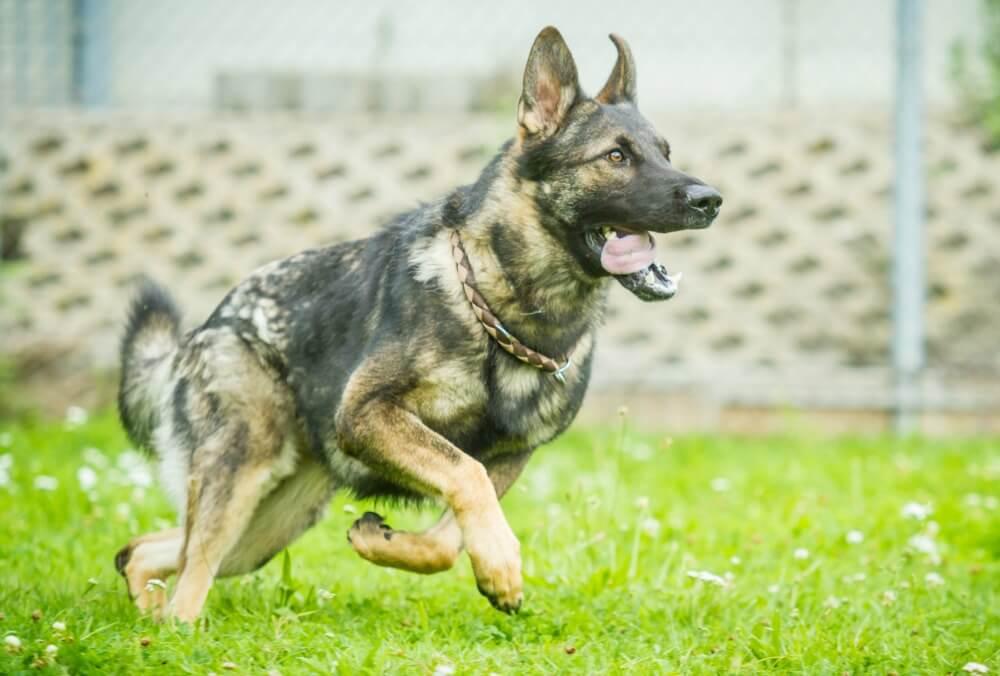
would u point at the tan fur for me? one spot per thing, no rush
(435, 549)
(427, 462)
(216, 528)
(314, 374)
(153, 559)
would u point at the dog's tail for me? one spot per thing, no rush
(152, 334)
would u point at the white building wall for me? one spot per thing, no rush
(718, 53)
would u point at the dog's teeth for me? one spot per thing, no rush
(606, 231)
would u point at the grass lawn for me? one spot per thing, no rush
(817, 556)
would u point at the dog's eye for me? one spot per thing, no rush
(617, 156)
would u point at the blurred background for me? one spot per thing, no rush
(193, 141)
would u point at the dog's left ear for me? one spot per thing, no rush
(620, 87)
(551, 85)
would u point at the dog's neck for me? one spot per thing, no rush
(531, 281)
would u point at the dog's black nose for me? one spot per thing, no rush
(705, 199)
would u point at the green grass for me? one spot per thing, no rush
(607, 588)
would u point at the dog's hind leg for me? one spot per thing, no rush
(232, 474)
(435, 549)
(294, 506)
(146, 562)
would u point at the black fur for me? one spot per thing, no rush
(368, 357)
(152, 308)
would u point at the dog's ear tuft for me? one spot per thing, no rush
(620, 87)
(551, 85)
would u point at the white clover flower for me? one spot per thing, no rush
(976, 668)
(888, 597)
(46, 483)
(973, 500)
(323, 595)
(650, 527)
(123, 510)
(87, 478)
(735, 560)
(94, 456)
(76, 416)
(720, 484)
(59, 626)
(350, 509)
(854, 537)
(444, 670)
(916, 510)
(933, 579)
(640, 451)
(12, 642)
(801, 554)
(642, 502)
(991, 502)
(136, 470)
(6, 460)
(51, 650)
(706, 576)
(857, 577)
(925, 544)
(773, 589)
(833, 602)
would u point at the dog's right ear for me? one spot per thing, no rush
(550, 85)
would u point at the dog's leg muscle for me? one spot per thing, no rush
(236, 471)
(396, 443)
(435, 549)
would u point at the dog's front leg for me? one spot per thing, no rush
(396, 443)
(435, 549)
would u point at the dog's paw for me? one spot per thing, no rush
(370, 527)
(504, 602)
(122, 558)
(496, 561)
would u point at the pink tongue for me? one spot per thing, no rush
(628, 254)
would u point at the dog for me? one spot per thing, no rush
(426, 362)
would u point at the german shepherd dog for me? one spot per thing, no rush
(425, 362)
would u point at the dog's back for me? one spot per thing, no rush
(428, 361)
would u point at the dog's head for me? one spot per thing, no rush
(604, 176)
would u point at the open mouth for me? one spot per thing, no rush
(630, 257)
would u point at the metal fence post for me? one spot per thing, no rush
(908, 240)
(91, 52)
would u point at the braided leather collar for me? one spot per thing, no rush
(493, 326)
